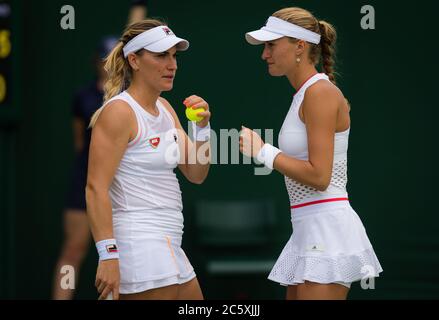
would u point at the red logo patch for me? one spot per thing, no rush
(154, 142)
(111, 248)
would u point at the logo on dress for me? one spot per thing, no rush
(316, 247)
(154, 142)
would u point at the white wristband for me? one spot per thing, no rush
(267, 154)
(107, 249)
(200, 134)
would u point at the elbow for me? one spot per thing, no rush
(92, 193)
(90, 190)
(322, 184)
(197, 180)
(196, 176)
(322, 187)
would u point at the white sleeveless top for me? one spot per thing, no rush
(145, 192)
(294, 142)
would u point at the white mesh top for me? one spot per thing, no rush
(293, 141)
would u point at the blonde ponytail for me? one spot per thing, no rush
(116, 67)
(327, 42)
(326, 49)
(119, 72)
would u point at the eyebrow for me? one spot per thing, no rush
(167, 52)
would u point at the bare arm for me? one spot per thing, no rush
(192, 168)
(109, 141)
(320, 109)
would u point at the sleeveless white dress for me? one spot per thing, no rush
(147, 205)
(329, 243)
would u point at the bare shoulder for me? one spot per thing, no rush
(322, 102)
(323, 97)
(116, 117)
(324, 90)
(167, 106)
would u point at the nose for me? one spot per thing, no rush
(172, 64)
(265, 53)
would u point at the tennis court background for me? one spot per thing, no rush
(388, 74)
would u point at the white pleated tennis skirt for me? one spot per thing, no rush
(329, 244)
(149, 260)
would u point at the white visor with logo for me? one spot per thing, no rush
(276, 28)
(158, 39)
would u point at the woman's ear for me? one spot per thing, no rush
(132, 60)
(300, 47)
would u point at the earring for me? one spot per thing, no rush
(298, 60)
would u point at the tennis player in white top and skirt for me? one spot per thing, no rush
(329, 248)
(133, 196)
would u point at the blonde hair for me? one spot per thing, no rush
(119, 72)
(326, 49)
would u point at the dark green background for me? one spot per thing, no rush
(388, 74)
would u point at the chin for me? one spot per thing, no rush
(167, 87)
(274, 73)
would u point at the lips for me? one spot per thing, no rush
(170, 77)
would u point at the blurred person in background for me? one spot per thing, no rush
(85, 102)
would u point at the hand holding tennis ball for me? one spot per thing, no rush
(197, 109)
(192, 114)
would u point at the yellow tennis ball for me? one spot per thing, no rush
(191, 114)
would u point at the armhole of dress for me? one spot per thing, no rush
(162, 106)
(297, 112)
(139, 126)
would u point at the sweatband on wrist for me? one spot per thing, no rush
(267, 154)
(200, 134)
(107, 249)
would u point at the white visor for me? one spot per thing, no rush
(158, 39)
(276, 28)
